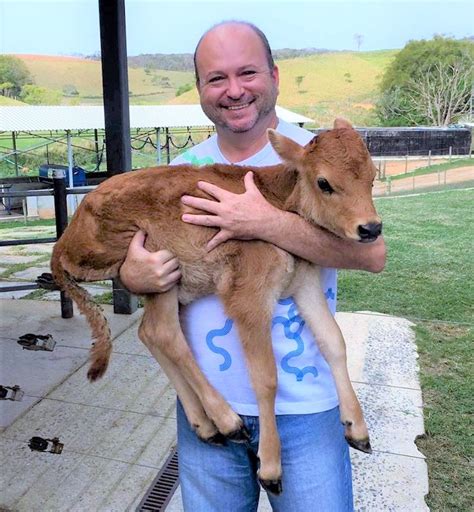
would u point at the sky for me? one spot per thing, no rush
(67, 27)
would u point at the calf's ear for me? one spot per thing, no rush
(342, 123)
(288, 150)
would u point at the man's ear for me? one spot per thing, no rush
(288, 150)
(342, 123)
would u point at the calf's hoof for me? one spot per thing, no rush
(272, 486)
(216, 440)
(359, 439)
(240, 435)
(362, 445)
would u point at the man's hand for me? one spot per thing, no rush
(242, 216)
(148, 272)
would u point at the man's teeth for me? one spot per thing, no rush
(238, 107)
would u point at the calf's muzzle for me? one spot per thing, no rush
(369, 232)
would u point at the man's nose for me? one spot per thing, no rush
(234, 88)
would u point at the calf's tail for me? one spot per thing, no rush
(102, 346)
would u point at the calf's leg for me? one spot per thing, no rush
(308, 294)
(249, 295)
(207, 411)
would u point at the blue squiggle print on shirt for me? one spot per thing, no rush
(219, 350)
(293, 326)
(329, 294)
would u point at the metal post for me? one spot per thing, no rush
(96, 142)
(406, 163)
(116, 111)
(70, 163)
(450, 153)
(167, 144)
(158, 146)
(15, 154)
(429, 158)
(60, 209)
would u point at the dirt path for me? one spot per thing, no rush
(457, 175)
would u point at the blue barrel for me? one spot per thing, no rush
(78, 174)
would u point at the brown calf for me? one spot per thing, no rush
(328, 182)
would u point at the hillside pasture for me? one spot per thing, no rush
(53, 72)
(332, 84)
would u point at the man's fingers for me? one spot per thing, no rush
(213, 190)
(138, 240)
(222, 236)
(248, 181)
(201, 220)
(165, 256)
(170, 265)
(171, 280)
(199, 203)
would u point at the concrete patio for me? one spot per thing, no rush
(118, 432)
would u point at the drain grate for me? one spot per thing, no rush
(163, 487)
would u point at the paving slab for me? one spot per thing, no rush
(13, 259)
(31, 273)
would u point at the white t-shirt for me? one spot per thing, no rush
(305, 383)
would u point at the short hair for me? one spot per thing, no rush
(255, 30)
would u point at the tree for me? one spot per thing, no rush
(429, 82)
(299, 80)
(35, 95)
(14, 73)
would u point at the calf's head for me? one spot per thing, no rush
(335, 177)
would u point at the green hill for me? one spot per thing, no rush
(321, 86)
(10, 102)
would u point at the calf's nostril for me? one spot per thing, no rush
(371, 230)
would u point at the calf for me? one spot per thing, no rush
(328, 182)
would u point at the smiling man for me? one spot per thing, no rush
(238, 83)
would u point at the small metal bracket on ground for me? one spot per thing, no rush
(38, 444)
(13, 393)
(32, 341)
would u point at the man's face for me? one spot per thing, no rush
(236, 87)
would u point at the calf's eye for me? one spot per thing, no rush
(323, 184)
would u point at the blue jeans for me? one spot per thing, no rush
(315, 461)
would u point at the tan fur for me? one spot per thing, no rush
(95, 245)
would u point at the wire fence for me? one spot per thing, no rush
(152, 147)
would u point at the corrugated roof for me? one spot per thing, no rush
(39, 118)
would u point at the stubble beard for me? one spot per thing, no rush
(263, 110)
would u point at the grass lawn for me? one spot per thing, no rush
(428, 279)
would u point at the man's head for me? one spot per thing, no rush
(236, 77)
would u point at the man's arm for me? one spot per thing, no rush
(249, 216)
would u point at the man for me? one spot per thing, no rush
(237, 83)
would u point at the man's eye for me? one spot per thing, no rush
(249, 73)
(323, 184)
(215, 79)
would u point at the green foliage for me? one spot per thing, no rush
(184, 88)
(35, 95)
(13, 75)
(299, 80)
(428, 82)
